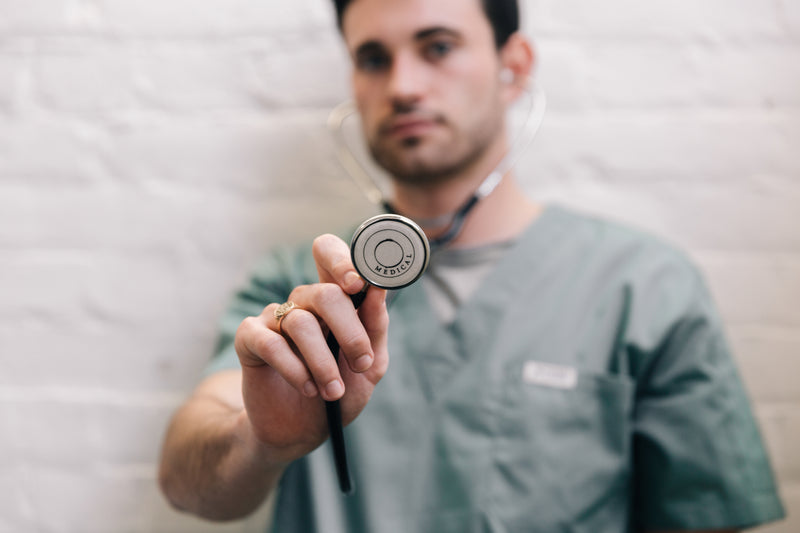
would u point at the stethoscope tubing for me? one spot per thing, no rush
(371, 190)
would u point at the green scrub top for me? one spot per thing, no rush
(585, 386)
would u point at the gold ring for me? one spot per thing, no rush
(283, 310)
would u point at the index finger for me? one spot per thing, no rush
(332, 257)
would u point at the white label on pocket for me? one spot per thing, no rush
(550, 375)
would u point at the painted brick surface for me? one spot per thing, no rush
(150, 152)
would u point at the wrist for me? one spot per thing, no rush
(258, 454)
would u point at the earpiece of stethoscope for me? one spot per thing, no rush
(390, 252)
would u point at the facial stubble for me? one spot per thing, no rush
(410, 161)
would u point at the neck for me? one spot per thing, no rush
(502, 215)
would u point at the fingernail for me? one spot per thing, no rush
(309, 389)
(362, 363)
(334, 389)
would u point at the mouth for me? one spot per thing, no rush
(404, 127)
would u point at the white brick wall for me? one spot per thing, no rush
(148, 149)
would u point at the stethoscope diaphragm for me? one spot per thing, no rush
(390, 251)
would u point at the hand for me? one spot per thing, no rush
(287, 368)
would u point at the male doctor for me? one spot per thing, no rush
(551, 372)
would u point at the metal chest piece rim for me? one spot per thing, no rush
(390, 251)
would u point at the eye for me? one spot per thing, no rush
(438, 49)
(372, 61)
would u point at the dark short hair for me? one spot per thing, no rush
(503, 16)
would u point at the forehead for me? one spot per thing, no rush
(390, 20)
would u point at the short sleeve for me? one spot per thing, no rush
(699, 461)
(272, 281)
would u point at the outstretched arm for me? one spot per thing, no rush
(212, 465)
(229, 444)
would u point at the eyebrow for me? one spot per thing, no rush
(369, 46)
(436, 30)
(373, 45)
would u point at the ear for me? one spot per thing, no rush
(517, 59)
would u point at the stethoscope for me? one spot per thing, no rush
(537, 104)
(391, 251)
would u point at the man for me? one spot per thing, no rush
(551, 372)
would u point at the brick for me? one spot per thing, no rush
(741, 202)
(789, 12)
(21, 17)
(74, 152)
(99, 287)
(102, 498)
(126, 218)
(768, 360)
(95, 218)
(710, 20)
(148, 290)
(16, 507)
(750, 75)
(755, 289)
(239, 231)
(708, 146)
(780, 424)
(37, 285)
(649, 75)
(216, 224)
(115, 358)
(658, 74)
(79, 217)
(84, 75)
(561, 72)
(92, 427)
(13, 78)
(192, 76)
(266, 156)
(758, 214)
(206, 18)
(135, 290)
(97, 500)
(312, 70)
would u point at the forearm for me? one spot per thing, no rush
(211, 463)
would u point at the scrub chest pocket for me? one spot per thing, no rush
(565, 446)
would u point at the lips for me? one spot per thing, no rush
(408, 126)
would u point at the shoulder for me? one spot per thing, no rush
(287, 266)
(292, 265)
(621, 251)
(603, 235)
(662, 289)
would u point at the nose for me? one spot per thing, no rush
(407, 80)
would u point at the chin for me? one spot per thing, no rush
(420, 174)
(412, 160)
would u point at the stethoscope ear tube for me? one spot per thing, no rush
(361, 177)
(345, 155)
(365, 182)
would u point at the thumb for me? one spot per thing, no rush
(375, 317)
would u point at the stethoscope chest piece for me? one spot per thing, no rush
(390, 251)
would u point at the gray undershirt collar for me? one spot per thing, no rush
(453, 275)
